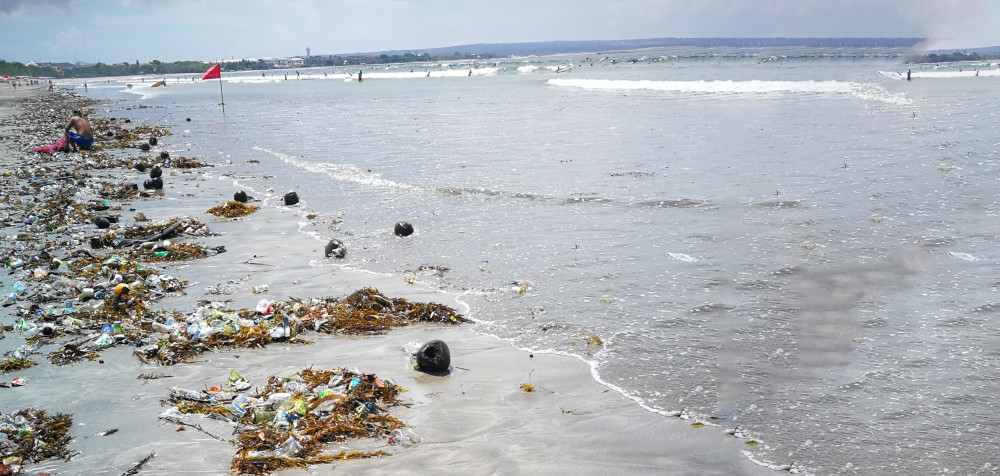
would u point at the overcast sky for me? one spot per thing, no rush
(112, 31)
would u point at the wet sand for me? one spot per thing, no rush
(477, 420)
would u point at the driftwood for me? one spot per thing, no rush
(167, 232)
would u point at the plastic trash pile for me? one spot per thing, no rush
(290, 421)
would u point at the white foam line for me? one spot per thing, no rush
(718, 87)
(866, 91)
(681, 414)
(341, 172)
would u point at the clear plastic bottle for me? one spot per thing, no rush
(403, 437)
(31, 330)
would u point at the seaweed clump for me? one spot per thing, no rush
(289, 422)
(365, 312)
(34, 436)
(15, 364)
(233, 210)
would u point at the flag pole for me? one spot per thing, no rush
(221, 96)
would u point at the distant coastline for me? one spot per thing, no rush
(481, 51)
(542, 48)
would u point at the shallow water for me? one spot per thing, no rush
(761, 236)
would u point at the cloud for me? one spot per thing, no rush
(944, 20)
(67, 40)
(16, 7)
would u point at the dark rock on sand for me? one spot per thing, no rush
(404, 229)
(335, 249)
(154, 183)
(434, 357)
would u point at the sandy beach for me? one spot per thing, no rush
(477, 420)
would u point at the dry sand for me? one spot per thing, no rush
(477, 420)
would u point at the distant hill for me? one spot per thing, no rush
(599, 46)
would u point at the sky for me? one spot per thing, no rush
(113, 31)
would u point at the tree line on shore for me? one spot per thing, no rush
(953, 57)
(197, 67)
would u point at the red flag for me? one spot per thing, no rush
(212, 73)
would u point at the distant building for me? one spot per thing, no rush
(66, 66)
(307, 51)
(290, 62)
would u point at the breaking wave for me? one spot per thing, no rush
(865, 91)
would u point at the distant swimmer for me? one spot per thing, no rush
(359, 75)
(907, 75)
(470, 72)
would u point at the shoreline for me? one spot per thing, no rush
(475, 420)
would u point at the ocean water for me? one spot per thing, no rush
(797, 242)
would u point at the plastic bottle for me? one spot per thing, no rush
(288, 448)
(403, 437)
(22, 351)
(278, 400)
(30, 331)
(104, 340)
(262, 288)
(241, 404)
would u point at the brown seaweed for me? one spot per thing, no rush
(233, 209)
(40, 438)
(324, 407)
(13, 365)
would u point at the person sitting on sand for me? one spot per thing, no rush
(84, 136)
